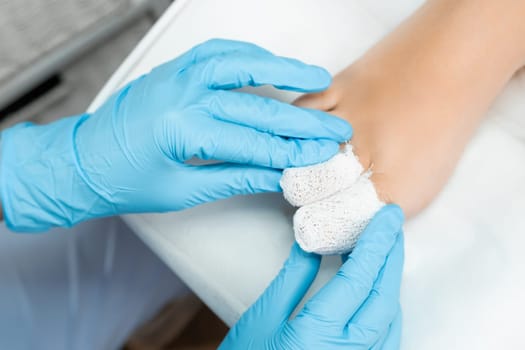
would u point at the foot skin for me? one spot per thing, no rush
(416, 97)
(409, 148)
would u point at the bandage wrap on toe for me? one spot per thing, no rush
(302, 186)
(336, 200)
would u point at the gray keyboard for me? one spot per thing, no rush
(31, 28)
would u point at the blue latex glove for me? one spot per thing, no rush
(129, 156)
(357, 309)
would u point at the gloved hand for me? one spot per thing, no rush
(357, 309)
(129, 156)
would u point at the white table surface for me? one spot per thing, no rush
(465, 268)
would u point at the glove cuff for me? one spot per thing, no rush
(41, 185)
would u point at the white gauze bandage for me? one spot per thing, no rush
(336, 200)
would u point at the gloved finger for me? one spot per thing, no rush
(276, 118)
(340, 298)
(232, 71)
(382, 303)
(391, 340)
(219, 181)
(208, 49)
(289, 287)
(238, 144)
(280, 298)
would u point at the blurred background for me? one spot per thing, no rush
(55, 55)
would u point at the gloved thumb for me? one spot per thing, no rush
(285, 292)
